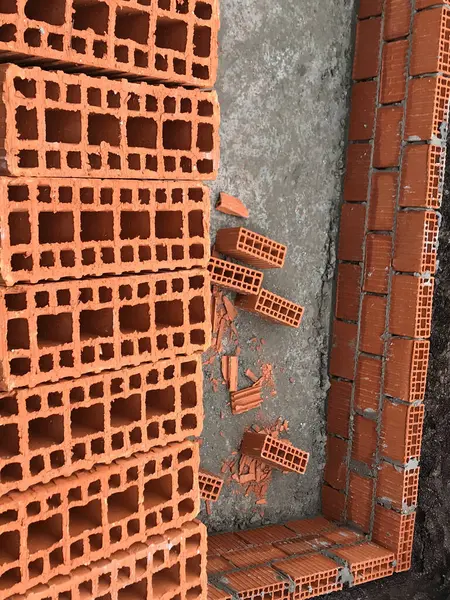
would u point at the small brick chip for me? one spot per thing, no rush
(250, 247)
(272, 307)
(277, 453)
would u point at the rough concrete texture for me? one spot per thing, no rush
(283, 86)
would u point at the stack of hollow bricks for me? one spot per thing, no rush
(380, 345)
(104, 302)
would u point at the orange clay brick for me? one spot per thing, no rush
(382, 201)
(364, 440)
(422, 176)
(333, 503)
(222, 543)
(343, 536)
(247, 399)
(401, 432)
(250, 247)
(420, 4)
(230, 366)
(309, 527)
(397, 486)
(56, 124)
(272, 307)
(362, 113)
(396, 532)
(265, 535)
(351, 232)
(144, 570)
(377, 263)
(406, 369)
(348, 291)
(217, 564)
(174, 42)
(411, 306)
(56, 228)
(394, 72)
(294, 547)
(230, 205)
(234, 277)
(388, 137)
(343, 348)
(277, 453)
(336, 462)
(255, 582)
(338, 409)
(58, 429)
(356, 178)
(373, 324)
(312, 575)
(366, 61)
(431, 42)
(367, 383)
(427, 108)
(367, 562)
(210, 485)
(360, 501)
(255, 556)
(416, 239)
(370, 8)
(60, 526)
(214, 593)
(397, 17)
(70, 328)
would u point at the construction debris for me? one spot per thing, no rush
(229, 205)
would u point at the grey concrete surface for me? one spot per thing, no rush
(283, 87)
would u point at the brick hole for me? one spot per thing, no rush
(86, 295)
(104, 582)
(141, 59)
(47, 259)
(143, 291)
(205, 166)
(160, 402)
(186, 507)
(32, 37)
(167, 514)
(169, 427)
(152, 377)
(178, 340)
(28, 159)
(78, 44)
(18, 334)
(85, 421)
(8, 406)
(45, 432)
(27, 87)
(123, 504)
(188, 395)
(95, 543)
(141, 132)
(57, 459)
(157, 491)
(11, 472)
(200, 71)
(134, 591)
(169, 224)
(103, 128)
(56, 558)
(193, 568)
(185, 480)
(171, 34)
(196, 226)
(9, 516)
(94, 97)
(19, 228)
(8, 6)
(165, 579)
(104, 294)
(8, 33)
(114, 481)
(134, 318)
(63, 297)
(133, 25)
(170, 105)
(73, 94)
(52, 91)
(125, 411)
(164, 4)
(133, 102)
(202, 41)
(56, 227)
(85, 518)
(177, 135)
(161, 63)
(26, 123)
(132, 474)
(179, 66)
(134, 225)
(74, 160)
(121, 54)
(166, 463)
(149, 468)
(54, 329)
(44, 534)
(98, 446)
(99, 48)
(63, 126)
(76, 550)
(96, 323)
(169, 373)
(197, 337)
(203, 11)
(93, 15)
(35, 568)
(46, 363)
(169, 313)
(205, 137)
(52, 13)
(196, 310)
(55, 41)
(9, 440)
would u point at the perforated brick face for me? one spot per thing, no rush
(57, 228)
(67, 329)
(168, 40)
(60, 125)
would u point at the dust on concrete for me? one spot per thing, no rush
(283, 87)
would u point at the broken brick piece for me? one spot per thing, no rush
(230, 371)
(247, 399)
(367, 561)
(406, 369)
(416, 239)
(411, 306)
(251, 247)
(313, 575)
(210, 485)
(396, 532)
(401, 432)
(272, 307)
(262, 581)
(422, 182)
(275, 452)
(234, 277)
(230, 205)
(398, 487)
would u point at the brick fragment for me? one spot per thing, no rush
(255, 556)
(411, 306)
(362, 113)
(360, 501)
(422, 176)
(396, 532)
(366, 61)
(394, 72)
(56, 124)
(368, 383)
(431, 42)
(210, 485)
(265, 535)
(338, 409)
(234, 277)
(370, 8)
(254, 582)
(310, 527)
(250, 247)
(247, 399)
(348, 291)
(230, 366)
(343, 348)
(367, 562)
(373, 324)
(312, 575)
(382, 201)
(401, 432)
(397, 486)
(427, 108)
(388, 137)
(333, 503)
(356, 178)
(397, 17)
(406, 369)
(416, 240)
(351, 232)
(364, 440)
(377, 263)
(336, 462)
(277, 453)
(272, 307)
(58, 527)
(230, 205)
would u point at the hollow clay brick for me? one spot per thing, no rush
(234, 277)
(427, 108)
(401, 432)
(416, 240)
(373, 324)
(406, 369)
(338, 408)
(382, 201)
(348, 291)
(394, 72)
(174, 42)
(367, 383)
(217, 564)
(370, 8)
(398, 487)
(333, 503)
(230, 205)
(377, 263)
(395, 532)
(343, 536)
(356, 178)
(397, 17)
(336, 462)
(309, 527)
(272, 307)
(250, 247)
(364, 440)
(55, 528)
(360, 501)
(313, 575)
(210, 485)
(173, 562)
(366, 61)
(277, 453)
(56, 228)
(60, 125)
(222, 543)
(388, 137)
(295, 547)
(351, 236)
(430, 42)
(422, 176)
(420, 4)
(362, 113)
(265, 535)
(261, 581)
(367, 562)
(411, 306)
(343, 348)
(55, 430)
(255, 556)
(214, 593)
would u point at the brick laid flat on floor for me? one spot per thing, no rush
(60, 125)
(55, 228)
(70, 328)
(169, 40)
(57, 429)
(54, 528)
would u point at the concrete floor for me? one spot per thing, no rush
(283, 87)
